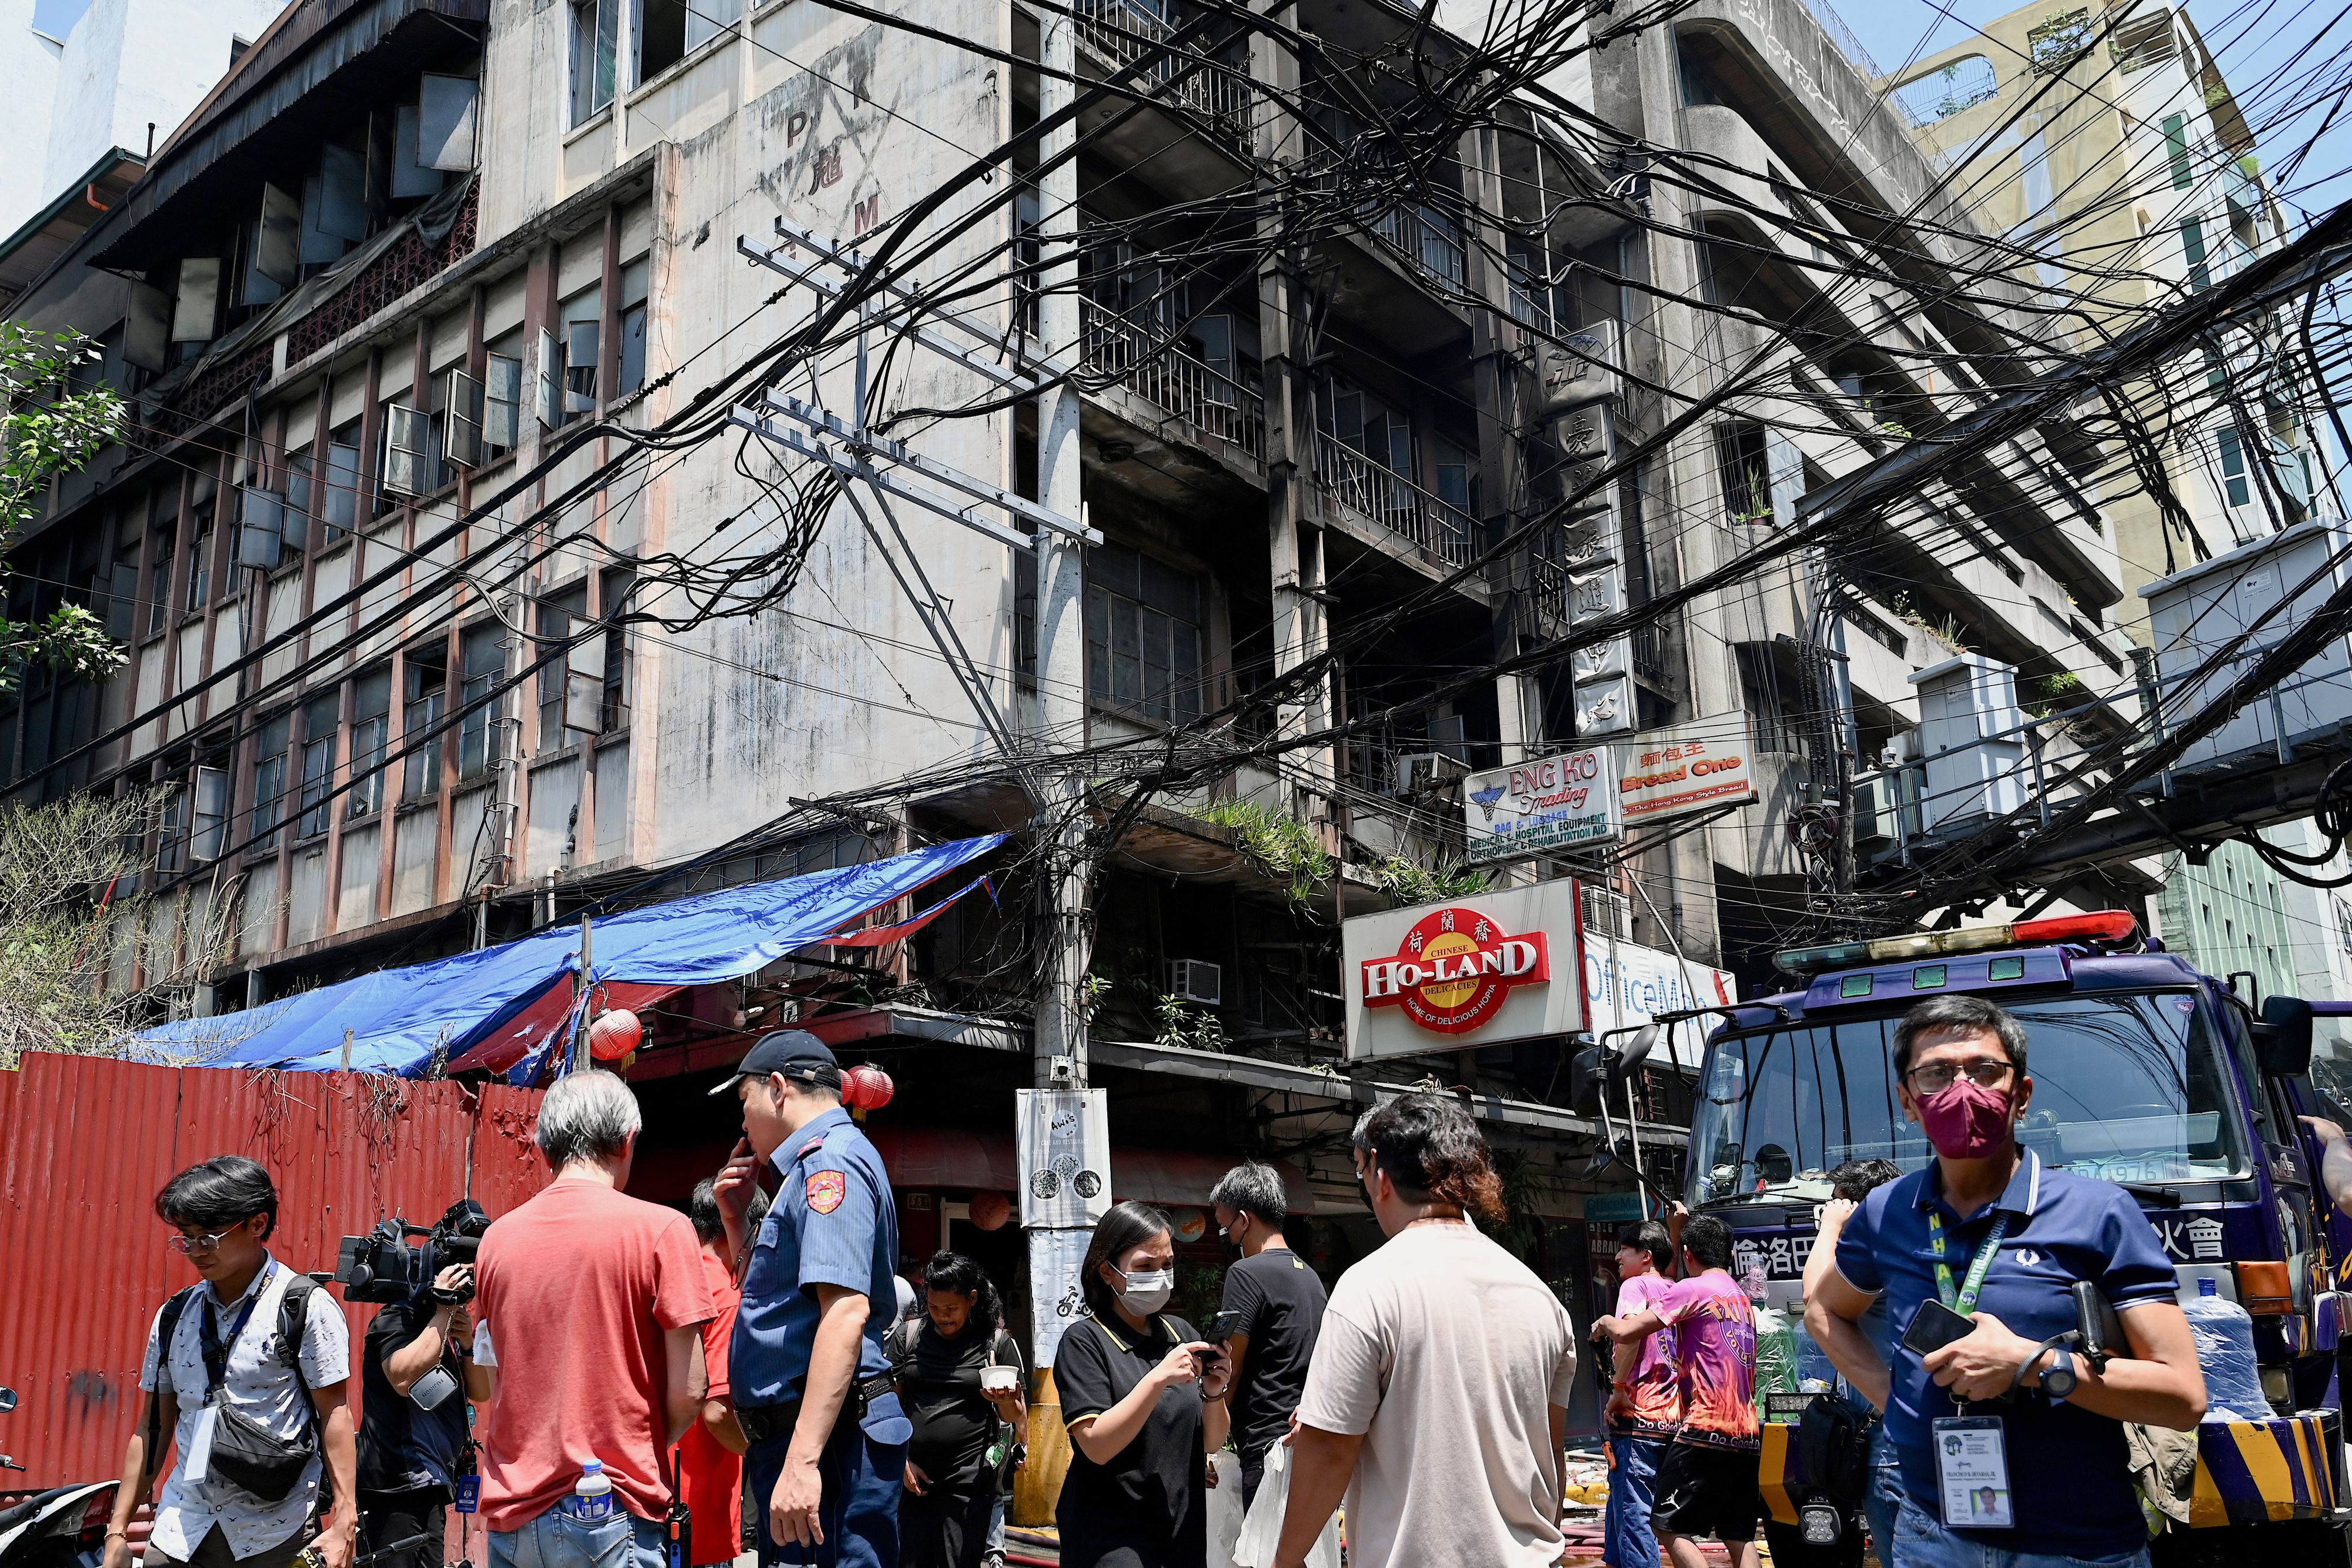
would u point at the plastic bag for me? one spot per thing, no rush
(1225, 1507)
(1262, 1530)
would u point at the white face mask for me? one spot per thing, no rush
(1147, 1290)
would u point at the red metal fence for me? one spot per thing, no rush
(85, 1143)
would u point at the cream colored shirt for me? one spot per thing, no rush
(1447, 1354)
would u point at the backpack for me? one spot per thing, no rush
(293, 1321)
(1834, 1439)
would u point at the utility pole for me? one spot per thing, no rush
(1058, 820)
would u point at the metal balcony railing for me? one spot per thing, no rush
(1168, 378)
(1430, 239)
(1393, 502)
(1123, 32)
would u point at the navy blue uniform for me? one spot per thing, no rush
(832, 1224)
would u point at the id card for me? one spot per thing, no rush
(469, 1492)
(200, 1446)
(1972, 1473)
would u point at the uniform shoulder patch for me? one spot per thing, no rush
(825, 1190)
(810, 1148)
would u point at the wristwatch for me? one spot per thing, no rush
(2058, 1379)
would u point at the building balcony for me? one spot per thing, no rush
(1212, 402)
(1393, 503)
(1121, 33)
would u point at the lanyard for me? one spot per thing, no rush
(216, 1357)
(1964, 1300)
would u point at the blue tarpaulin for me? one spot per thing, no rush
(403, 1020)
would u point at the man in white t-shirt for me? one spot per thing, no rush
(1437, 1397)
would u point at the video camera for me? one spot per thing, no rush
(383, 1267)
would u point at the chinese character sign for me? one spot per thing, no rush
(1692, 768)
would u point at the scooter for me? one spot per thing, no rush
(64, 1527)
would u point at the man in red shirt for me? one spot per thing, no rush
(710, 1455)
(591, 1306)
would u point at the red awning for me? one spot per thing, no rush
(523, 1032)
(950, 1156)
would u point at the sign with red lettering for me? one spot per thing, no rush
(1452, 968)
(1695, 767)
(1482, 970)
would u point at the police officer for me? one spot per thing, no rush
(810, 1384)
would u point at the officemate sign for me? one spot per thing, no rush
(1481, 971)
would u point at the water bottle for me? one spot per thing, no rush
(593, 1497)
(2225, 1336)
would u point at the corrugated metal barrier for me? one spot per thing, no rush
(85, 1145)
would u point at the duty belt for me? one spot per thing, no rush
(761, 1422)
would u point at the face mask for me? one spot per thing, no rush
(1147, 1290)
(1964, 1120)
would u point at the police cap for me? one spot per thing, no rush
(794, 1052)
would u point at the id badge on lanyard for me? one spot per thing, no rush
(1972, 1473)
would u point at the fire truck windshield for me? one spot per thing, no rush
(2128, 1086)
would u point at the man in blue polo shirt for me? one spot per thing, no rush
(2040, 1478)
(812, 1386)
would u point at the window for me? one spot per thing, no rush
(200, 556)
(583, 319)
(2236, 488)
(634, 279)
(457, 422)
(341, 505)
(1143, 636)
(425, 690)
(502, 399)
(121, 593)
(1947, 91)
(614, 712)
(269, 778)
(319, 716)
(370, 730)
(1773, 708)
(208, 804)
(483, 664)
(158, 572)
(2058, 42)
(409, 465)
(669, 30)
(595, 40)
(2192, 252)
(2175, 150)
(298, 492)
(556, 616)
(171, 830)
(1745, 470)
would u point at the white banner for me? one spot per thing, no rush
(1054, 1259)
(1626, 983)
(1695, 767)
(1485, 969)
(1065, 1143)
(1563, 802)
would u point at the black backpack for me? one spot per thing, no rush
(1834, 1439)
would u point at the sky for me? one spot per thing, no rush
(2272, 52)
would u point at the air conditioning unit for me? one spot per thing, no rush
(1581, 369)
(1419, 771)
(1194, 980)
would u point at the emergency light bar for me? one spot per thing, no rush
(2108, 927)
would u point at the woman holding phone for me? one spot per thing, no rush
(1144, 1398)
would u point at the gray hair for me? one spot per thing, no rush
(1255, 1190)
(1958, 1012)
(588, 1115)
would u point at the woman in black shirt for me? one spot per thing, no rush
(1144, 1400)
(943, 1357)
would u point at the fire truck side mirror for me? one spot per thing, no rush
(2282, 1038)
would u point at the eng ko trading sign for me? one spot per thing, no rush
(1562, 802)
(1475, 971)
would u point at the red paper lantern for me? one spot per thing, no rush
(615, 1034)
(867, 1088)
(990, 1210)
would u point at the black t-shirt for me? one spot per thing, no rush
(403, 1447)
(1280, 1300)
(955, 1422)
(1152, 1496)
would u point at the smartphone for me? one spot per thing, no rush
(1220, 1327)
(1934, 1326)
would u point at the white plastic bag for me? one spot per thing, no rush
(1262, 1530)
(1225, 1507)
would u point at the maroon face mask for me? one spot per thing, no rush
(1964, 1120)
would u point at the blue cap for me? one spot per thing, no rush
(794, 1052)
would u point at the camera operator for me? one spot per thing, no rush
(412, 1418)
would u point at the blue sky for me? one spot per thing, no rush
(2276, 55)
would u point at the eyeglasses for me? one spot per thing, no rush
(183, 1242)
(1984, 1072)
